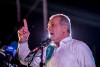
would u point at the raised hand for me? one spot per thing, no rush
(23, 33)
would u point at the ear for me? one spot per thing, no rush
(64, 28)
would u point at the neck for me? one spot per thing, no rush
(63, 37)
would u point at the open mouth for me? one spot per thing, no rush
(51, 33)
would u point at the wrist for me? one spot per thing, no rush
(20, 42)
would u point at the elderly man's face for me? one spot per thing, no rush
(55, 29)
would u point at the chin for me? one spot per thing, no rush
(52, 39)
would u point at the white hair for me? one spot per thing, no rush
(68, 23)
(60, 15)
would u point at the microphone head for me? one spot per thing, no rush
(14, 44)
(46, 42)
(12, 49)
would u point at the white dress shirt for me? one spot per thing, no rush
(70, 53)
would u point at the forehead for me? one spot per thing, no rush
(54, 20)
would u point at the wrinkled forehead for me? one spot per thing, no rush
(54, 20)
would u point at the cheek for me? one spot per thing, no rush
(58, 32)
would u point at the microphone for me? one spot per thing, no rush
(45, 43)
(12, 49)
(42, 44)
(8, 50)
(2, 53)
(34, 51)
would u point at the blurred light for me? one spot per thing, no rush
(53, 44)
(48, 35)
(93, 59)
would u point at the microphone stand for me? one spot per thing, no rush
(41, 63)
(43, 44)
(31, 59)
(8, 57)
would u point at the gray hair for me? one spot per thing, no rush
(64, 21)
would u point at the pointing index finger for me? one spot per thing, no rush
(25, 24)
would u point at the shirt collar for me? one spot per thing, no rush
(62, 41)
(61, 44)
(65, 40)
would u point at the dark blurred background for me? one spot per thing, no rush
(84, 15)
